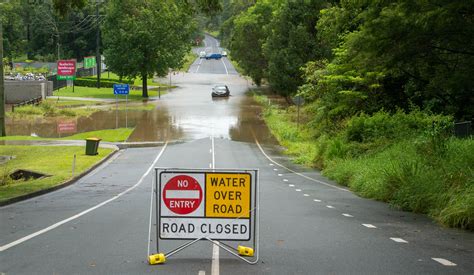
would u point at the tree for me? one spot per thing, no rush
(249, 34)
(14, 39)
(291, 43)
(145, 37)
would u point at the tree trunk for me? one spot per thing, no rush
(144, 86)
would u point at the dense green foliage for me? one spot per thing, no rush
(409, 160)
(348, 57)
(144, 38)
(34, 31)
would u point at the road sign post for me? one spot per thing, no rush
(207, 204)
(298, 100)
(121, 89)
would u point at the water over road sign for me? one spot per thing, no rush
(214, 204)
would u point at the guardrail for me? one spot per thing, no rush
(33, 101)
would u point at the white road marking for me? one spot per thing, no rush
(280, 175)
(316, 200)
(49, 228)
(199, 65)
(299, 174)
(274, 169)
(368, 225)
(347, 215)
(298, 190)
(291, 185)
(306, 195)
(225, 67)
(215, 248)
(202, 272)
(330, 206)
(285, 180)
(210, 165)
(444, 262)
(398, 240)
(271, 164)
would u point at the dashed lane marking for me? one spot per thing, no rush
(297, 173)
(291, 185)
(330, 206)
(274, 169)
(368, 225)
(306, 195)
(285, 180)
(298, 190)
(398, 240)
(280, 175)
(444, 262)
(316, 200)
(347, 215)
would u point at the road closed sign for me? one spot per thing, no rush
(213, 204)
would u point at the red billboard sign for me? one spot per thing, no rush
(66, 67)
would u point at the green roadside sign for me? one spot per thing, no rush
(89, 62)
(66, 77)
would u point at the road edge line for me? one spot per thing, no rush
(297, 173)
(51, 227)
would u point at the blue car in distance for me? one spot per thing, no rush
(215, 56)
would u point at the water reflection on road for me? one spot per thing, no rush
(186, 113)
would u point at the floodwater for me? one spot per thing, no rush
(186, 113)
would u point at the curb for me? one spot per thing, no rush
(62, 185)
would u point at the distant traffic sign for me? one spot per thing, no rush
(66, 69)
(121, 89)
(206, 204)
(89, 62)
(298, 100)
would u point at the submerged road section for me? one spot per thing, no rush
(308, 224)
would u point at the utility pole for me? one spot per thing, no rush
(97, 55)
(2, 86)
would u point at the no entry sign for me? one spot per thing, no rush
(206, 204)
(182, 194)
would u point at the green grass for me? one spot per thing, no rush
(397, 158)
(188, 61)
(111, 135)
(72, 103)
(105, 93)
(48, 109)
(137, 81)
(53, 160)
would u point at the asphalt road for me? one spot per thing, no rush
(309, 225)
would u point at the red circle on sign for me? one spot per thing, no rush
(182, 194)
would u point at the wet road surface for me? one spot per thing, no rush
(309, 224)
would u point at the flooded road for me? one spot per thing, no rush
(186, 113)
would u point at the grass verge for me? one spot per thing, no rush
(110, 135)
(104, 93)
(52, 160)
(400, 158)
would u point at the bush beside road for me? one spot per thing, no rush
(408, 160)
